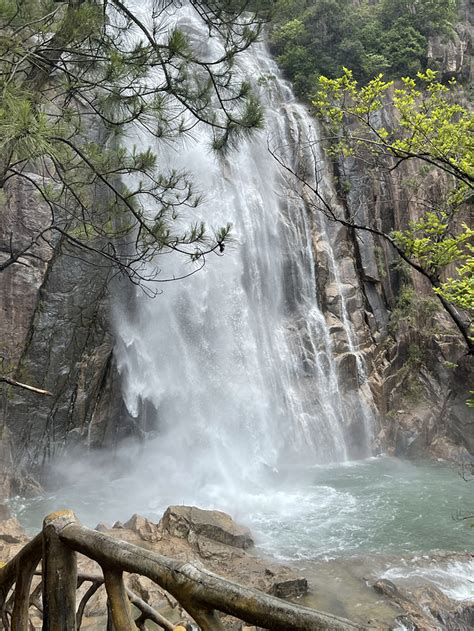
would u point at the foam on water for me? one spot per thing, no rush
(454, 579)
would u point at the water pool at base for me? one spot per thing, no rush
(380, 506)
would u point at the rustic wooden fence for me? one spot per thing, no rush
(201, 593)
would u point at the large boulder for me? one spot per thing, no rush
(187, 521)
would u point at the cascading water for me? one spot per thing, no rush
(233, 375)
(234, 367)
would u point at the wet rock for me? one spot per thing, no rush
(333, 296)
(387, 588)
(426, 607)
(147, 530)
(181, 521)
(348, 371)
(25, 485)
(426, 405)
(444, 448)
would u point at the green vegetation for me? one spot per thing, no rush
(415, 311)
(434, 132)
(376, 44)
(414, 318)
(314, 37)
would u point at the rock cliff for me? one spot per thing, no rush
(416, 366)
(419, 372)
(56, 332)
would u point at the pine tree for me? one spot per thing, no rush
(67, 68)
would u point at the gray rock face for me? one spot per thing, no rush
(451, 55)
(189, 521)
(55, 334)
(426, 410)
(421, 401)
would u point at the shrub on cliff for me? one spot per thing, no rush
(435, 133)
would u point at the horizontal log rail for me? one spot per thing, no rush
(202, 594)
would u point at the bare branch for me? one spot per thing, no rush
(25, 386)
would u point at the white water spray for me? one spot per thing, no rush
(233, 369)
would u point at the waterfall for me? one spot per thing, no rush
(231, 373)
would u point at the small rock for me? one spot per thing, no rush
(119, 525)
(147, 530)
(290, 588)
(387, 588)
(102, 527)
(11, 531)
(97, 605)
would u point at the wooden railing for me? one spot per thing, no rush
(201, 593)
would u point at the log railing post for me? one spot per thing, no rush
(120, 608)
(59, 575)
(203, 594)
(110, 623)
(208, 620)
(4, 590)
(85, 599)
(18, 569)
(21, 606)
